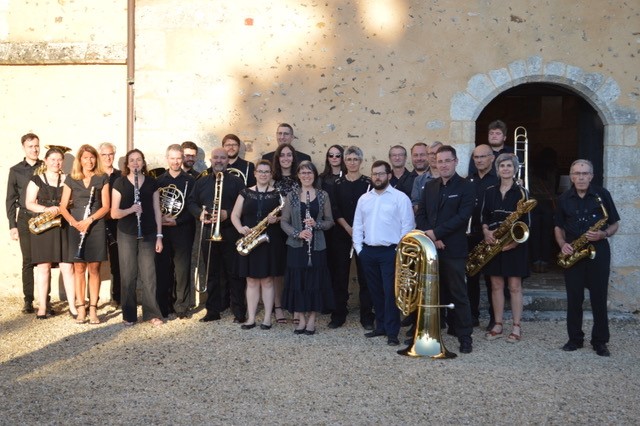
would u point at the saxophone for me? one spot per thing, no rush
(257, 235)
(510, 230)
(44, 222)
(581, 246)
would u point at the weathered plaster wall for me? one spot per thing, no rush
(352, 72)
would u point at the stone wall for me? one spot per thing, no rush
(372, 74)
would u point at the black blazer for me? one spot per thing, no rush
(446, 210)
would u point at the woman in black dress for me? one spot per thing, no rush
(43, 194)
(499, 202)
(334, 168)
(88, 187)
(139, 237)
(306, 214)
(283, 166)
(265, 261)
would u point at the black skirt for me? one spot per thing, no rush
(307, 288)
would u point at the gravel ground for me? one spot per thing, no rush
(186, 372)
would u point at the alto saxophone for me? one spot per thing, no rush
(581, 246)
(257, 235)
(510, 230)
(44, 222)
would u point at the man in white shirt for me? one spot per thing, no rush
(383, 216)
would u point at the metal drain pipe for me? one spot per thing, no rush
(131, 48)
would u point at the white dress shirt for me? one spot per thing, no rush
(382, 219)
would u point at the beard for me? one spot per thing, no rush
(381, 185)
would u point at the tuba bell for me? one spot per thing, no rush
(417, 287)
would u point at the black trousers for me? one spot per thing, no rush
(25, 249)
(173, 269)
(591, 274)
(224, 263)
(114, 262)
(473, 284)
(340, 265)
(454, 288)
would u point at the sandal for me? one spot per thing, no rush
(156, 322)
(493, 334)
(281, 319)
(82, 314)
(515, 338)
(93, 319)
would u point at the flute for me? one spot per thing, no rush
(87, 212)
(308, 228)
(136, 200)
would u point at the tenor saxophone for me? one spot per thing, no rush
(510, 230)
(581, 246)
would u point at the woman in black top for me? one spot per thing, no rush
(43, 194)
(139, 237)
(334, 168)
(88, 183)
(499, 202)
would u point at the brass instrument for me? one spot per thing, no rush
(87, 212)
(307, 216)
(42, 167)
(509, 230)
(581, 246)
(196, 280)
(257, 235)
(172, 200)
(417, 287)
(237, 172)
(157, 172)
(521, 149)
(44, 222)
(217, 207)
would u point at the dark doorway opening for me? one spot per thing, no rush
(561, 127)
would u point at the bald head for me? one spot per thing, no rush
(219, 159)
(483, 158)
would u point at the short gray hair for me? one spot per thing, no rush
(582, 161)
(107, 145)
(354, 150)
(505, 156)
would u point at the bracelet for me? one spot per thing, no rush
(159, 236)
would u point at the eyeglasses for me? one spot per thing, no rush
(230, 145)
(283, 134)
(334, 155)
(263, 172)
(379, 174)
(479, 157)
(307, 173)
(352, 160)
(581, 174)
(446, 161)
(107, 155)
(398, 155)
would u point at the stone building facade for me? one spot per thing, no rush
(371, 74)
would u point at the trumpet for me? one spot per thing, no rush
(87, 212)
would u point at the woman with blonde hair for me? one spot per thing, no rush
(88, 187)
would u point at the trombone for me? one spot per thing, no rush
(521, 149)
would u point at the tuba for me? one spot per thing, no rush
(257, 235)
(511, 229)
(417, 287)
(581, 246)
(172, 200)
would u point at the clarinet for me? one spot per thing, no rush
(136, 200)
(87, 212)
(308, 228)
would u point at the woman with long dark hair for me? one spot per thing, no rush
(135, 202)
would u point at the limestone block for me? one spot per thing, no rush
(534, 65)
(593, 81)
(435, 125)
(463, 106)
(614, 134)
(623, 190)
(624, 292)
(629, 220)
(480, 86)
(626, 160)
(555, 68)
(623, 115)
(630, 136)
(575, 74)
(609, 91)
(518, 69)
(624, 248)
(501, 78)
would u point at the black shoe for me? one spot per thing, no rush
(571, 346)
(51, 312)
(210, 317)
(28, 308)
(248, 326)
(601, 349)
(335, 324)
(301, 331)
(393, 341)
(265, 327)
(465, 346)
(238, 320)
(368, 326)
(41, 317)
(309, 332)
(182, 315)
(375, 333)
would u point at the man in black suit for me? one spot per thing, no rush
(443, 213)
(284, 135)
(223, 256)
(231, 144)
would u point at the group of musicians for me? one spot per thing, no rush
(283, 232)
